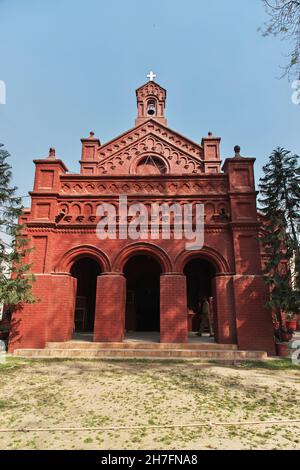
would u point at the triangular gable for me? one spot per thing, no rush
(120, 155)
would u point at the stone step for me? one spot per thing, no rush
(217, 354)
(139, 345)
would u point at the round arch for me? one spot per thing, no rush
(209, 254)
(140, 158)
(83, 251)
(142, 249)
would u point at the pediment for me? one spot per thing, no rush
(122, 155)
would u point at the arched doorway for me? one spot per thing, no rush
(199, 275)
(85, 270)
(142, 273)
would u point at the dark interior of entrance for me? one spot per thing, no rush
(86, 271)
(199, 274)
(142, 273)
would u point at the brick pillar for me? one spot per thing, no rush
(173, 309)
(28, 328)
(50, 318)
(110, 308)
(254, 322)
(61, 308)
(224, 315)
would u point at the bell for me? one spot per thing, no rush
(151, 109)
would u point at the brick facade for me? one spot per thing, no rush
(151, 164)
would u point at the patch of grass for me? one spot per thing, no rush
(88, 440)
(276, 364)
(127, 360)
(4, 404)
(13, 363)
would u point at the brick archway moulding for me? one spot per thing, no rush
(142, 249)
(207, 253)
(83, 251)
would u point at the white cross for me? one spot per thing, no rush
(151, 76)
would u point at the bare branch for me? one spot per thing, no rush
(284, 21)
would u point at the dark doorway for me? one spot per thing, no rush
(199, 275)
(86, 271)
(142, 298)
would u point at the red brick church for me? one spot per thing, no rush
(115, 286)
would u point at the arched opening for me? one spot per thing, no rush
(85, 270)
(151, 107)
(199, 275)
(151, 165)
(142, 273)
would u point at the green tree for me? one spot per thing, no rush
(15, 281)
(280, 206)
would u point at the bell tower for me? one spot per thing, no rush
(151, 102)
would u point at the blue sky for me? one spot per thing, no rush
(72, 66)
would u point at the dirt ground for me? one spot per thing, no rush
(68, 394)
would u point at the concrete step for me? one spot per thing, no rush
(75, 344)
(217, 354)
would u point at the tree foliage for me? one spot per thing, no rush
(284, 22)
(15, 282)
(280, 206)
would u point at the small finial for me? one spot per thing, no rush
(92, 134)
(210, 134)
(52, 152)
(237, 151)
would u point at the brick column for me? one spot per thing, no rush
(254, 322)
(28, 328)
(50, 318)
(173, 309)
(224, 315)
(61, 308)
(110, 308)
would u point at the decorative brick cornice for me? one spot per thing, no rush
(247, 225)
(47, 161)
(92, 228)
(164, 185)
(244, 192)
(43, 194)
